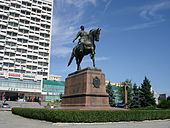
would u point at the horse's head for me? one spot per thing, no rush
(95, 33)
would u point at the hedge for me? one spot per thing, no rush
(55, 115)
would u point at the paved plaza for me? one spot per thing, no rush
(8, 120)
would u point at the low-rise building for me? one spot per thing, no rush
(52, 90)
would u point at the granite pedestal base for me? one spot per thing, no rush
(85, 90)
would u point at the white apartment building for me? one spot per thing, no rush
(25, 36)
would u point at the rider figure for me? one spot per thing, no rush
(83, 37)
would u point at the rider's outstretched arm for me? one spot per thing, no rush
(78, 34)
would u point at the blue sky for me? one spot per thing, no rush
(134, 40)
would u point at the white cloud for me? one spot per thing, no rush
(108, 2)
(97, 59)
(67, 16)
(80, 3)
(152, 15)
(150, 12)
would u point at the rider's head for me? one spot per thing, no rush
(82, 27)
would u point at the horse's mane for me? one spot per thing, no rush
(92, 30)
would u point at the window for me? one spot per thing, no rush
(24, 21)
(34, 37)
(21, 50)
(23, 30)
(10, 43)
(4, 7)
(26, 3)
(14, 14)
(3, 17)
(3, 27)
(22, 40)
(35, 19)
(34, 28)
(25, 12)
(45, 26)
(46, 9)
(13, 24)
(15, 5)
(36, 10)
(46, 17)
(2, 37)
(11, 33)
(35, 1)
(20, 61)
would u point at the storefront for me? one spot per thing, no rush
(13, 89)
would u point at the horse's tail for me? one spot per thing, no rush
(71, 58)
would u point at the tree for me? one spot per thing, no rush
(135, 101)
(110, 91)
(146, 96)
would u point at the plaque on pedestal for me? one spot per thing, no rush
(85, 90)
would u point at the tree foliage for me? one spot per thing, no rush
(110, 91)
(135, 101)
(146, 96)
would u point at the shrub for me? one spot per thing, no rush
(145, 108)
(55, 115)
(164, 104)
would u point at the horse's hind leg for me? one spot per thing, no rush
(92, 57)
(78, 64)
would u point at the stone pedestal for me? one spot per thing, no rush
(85, 90)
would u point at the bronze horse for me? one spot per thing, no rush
(88, 48)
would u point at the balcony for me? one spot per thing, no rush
(45, 14)
(1, 55)
(23, 27)
(14, 11)
(2, 33)
(22, 47)
(15, 2)
(36, 6)
(23, 37)
(45, 22)
(43, 50)
(32, 54)
(13, 30)
(47, 6)
(10, 50)
(33, 44)
(34, 34)
(12, 20)
(2, 23)
(5, 4)
(42, 60)
(8, 61)
(12, 40)
(25, 9)
(24, 18)
(2, 44)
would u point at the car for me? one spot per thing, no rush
(120, 105)
(5, 105)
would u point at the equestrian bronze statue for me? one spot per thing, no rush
(85, 46)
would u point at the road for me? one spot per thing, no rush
(8, 120)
